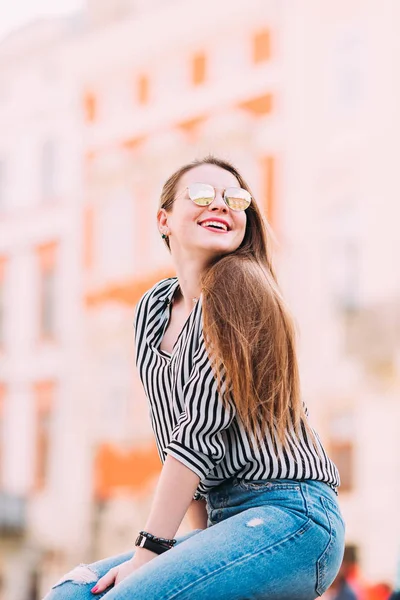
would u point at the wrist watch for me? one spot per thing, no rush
(144, 542)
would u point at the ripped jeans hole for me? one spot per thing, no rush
(80, 574)
(254, 522)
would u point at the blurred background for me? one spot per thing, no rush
(100, 100)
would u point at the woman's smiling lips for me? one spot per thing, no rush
(213, 225)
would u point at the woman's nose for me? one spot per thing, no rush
(218, 202)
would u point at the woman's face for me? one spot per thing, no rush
(189, 234)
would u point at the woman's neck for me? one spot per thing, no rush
(189, 277)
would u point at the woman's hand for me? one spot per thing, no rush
(117, 574)
(174, 492)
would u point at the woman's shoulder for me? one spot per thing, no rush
(157, 293)
(160, 288)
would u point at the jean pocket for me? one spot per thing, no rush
(329, 562)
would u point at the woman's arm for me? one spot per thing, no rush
(197, 514)
(174, 493)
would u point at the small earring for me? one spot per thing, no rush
(164, 236)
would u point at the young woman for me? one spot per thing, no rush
(215, 350)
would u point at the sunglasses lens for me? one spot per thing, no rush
(237, 198)
(201, 193)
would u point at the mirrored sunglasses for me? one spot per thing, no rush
(203, 194)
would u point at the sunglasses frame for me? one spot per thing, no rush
(215, 193)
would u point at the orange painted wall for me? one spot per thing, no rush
(190, 127)
(268, 167)
(261, 46)
(116, 470)
(199, 68)
(143, 89)
(261, 105)
(90, 107)
(128, 293)
(47, 255)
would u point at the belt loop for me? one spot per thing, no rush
(306, 498)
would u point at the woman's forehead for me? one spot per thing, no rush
(211, 174)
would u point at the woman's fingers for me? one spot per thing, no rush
(105, 581)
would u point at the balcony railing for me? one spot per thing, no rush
(12, 514)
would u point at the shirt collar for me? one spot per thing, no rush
(167, 294)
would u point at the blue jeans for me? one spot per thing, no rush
(268, 539)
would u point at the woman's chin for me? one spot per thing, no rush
(215, 250)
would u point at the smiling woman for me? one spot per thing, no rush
(215, 351)
(212, 198)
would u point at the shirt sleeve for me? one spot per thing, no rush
(197, 440)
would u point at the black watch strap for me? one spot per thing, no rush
(143, 542)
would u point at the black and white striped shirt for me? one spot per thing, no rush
(189, 419)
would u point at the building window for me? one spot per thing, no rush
(47, 319)
(199, 66)
(114, 242)
(49, 170)
(348, 69)
(44, 399)
(344, 264)
(349, 297)
(261, 46)
(47, 316)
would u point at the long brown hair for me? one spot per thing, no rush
(248, 326)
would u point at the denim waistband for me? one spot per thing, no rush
(321, 487)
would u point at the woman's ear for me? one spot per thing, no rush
(162, 219)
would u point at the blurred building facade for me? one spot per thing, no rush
(43, 458)
(98, 112)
